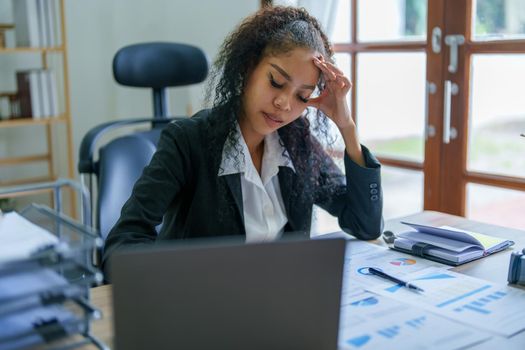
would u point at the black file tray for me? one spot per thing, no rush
(44, 299)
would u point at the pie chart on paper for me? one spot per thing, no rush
(403, 262)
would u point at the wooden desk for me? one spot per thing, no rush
(492, 268)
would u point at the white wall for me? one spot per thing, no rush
(95, 30)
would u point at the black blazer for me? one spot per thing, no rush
(182, 189)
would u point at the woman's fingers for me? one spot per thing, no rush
(344, 82)
(328, 74)
(314, 102)
(332, 73)
(333, 67)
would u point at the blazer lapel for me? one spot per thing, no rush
(287, 180)
(234, 184)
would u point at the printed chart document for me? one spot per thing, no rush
(19, 237)
(499, 309)
(360, 256)
(370, 321)
(448, 244)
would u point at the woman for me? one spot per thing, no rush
(250, 165)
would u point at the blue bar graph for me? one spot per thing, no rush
(390, 332)
(416, 323)
(453, 300)
(476, 309)
(479, 305)
(359, 341)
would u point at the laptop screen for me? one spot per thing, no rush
(283, 294)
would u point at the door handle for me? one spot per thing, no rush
(448, 131)
(454, 41)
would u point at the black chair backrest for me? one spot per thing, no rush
(159, 65)
(121, 161)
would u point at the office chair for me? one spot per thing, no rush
(119, 163)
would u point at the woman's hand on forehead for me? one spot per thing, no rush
(332, 100)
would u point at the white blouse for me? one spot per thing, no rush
(263, 208)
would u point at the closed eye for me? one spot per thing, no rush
(280, 86)
(273, 82)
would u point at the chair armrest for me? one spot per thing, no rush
(86, 164)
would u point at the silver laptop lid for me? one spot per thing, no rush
(280, 295)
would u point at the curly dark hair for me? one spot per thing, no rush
(270, 31)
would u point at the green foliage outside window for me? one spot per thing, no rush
(490, 17)
(415, 17)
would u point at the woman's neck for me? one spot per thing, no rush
(255, 143)
(253, 139)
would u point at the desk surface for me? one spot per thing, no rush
(492, 268)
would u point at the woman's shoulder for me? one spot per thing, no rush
(190, 127)
(198, 120)
(206, 124)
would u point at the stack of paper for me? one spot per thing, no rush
(39, 302)
(454, 311)
(19, 238)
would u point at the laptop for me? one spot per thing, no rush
(278, 295)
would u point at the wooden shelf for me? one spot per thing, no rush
(25, 159)
(31, 49)
(25, 181)
(6, 26)
(29, 121)
(44, 53)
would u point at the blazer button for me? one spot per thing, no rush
(373, 191)
(374, 197)
(373, 185)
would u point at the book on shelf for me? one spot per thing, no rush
(447, 244)
(28, 95)
(51, 21)
(37, 93)
(52, 86)
(42, 22)
(44, 93)
(27, 30)
(37, 23)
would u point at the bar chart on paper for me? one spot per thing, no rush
(482, 305)
(496, 308)
(371, 321)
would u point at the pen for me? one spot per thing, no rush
(406, 284)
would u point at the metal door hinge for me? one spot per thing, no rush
(436, 40)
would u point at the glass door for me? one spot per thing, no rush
(479, 112)
(383, 45)
(437, 98)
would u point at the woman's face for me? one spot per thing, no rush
(277, 92)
